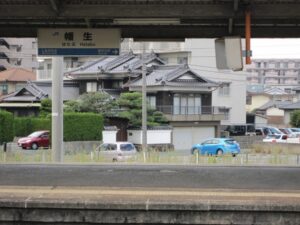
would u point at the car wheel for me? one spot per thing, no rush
(114, 160)
(233, 155)
(219, 152)
(34, 146)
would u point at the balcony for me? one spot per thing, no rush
(186, 113)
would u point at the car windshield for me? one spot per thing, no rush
(108, 147)
(36, 134)
(275, 130)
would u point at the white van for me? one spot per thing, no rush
(117, 151)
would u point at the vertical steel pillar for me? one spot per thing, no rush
(144, 105)
(248, 35)
(57, 109)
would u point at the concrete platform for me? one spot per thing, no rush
(106, 205)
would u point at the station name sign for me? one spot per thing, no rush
(78, 42)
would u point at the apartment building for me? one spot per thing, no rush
(282, 73)
(18, 53)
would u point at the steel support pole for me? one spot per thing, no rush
(57, 109)
(144, 105)
(248, 35)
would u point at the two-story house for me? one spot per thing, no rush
(186, 100)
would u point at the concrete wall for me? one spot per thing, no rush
(274, 112)
(287, 117)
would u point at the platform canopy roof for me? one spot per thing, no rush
(153, 19)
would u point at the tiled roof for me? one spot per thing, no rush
(272, 103)
(17, 74)
(173, 75)
(275, 91)
(124, 63)
(29, 93)
(295, 105)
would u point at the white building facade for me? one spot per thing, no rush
(232, 93)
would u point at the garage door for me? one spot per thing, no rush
(185, 137)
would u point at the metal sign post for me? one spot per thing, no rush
(71, 42)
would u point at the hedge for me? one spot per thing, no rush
(26, 125)
(83, 126)
(6, 127)
(77, 126)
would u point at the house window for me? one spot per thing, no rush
(3, 89)
(117, 84)
(49, 66)
(226, 112)
(187, 104)
(182, 60)
(224, 89)
(248, 100)
(151, 100)
(91, 86)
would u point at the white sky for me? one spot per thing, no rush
(275, 48)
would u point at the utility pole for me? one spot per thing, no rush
(57, 109)
(144, 105)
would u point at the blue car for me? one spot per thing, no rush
(217, 146)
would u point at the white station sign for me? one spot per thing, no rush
(78, 42)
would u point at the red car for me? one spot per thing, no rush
(35, 140)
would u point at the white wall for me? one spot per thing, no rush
(109, 136)
(153, 136)
(204, 63)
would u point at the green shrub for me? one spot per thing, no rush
(77, 126)
(295, 118)
(26, 125)
(6, 127)
(83, 126)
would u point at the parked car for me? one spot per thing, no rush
(276, 138)
(117, 151)
(265, 131)
(241, 130)
(35, 140)
(217, 146)
(291, 132)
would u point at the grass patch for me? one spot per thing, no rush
(275, 148)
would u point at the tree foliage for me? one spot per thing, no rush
(295, 118)
(46, 107)
(130, 105)
(96, 102)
